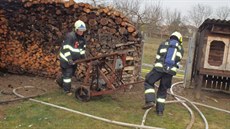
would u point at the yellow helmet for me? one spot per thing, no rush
(79, 25)
(178, 35)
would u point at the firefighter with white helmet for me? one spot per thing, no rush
(79, 25)
(169, 54)
(177, 35)
(73, 48)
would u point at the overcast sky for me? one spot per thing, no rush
(184, 5)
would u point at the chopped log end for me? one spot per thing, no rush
(58, 12)
(92, 22)
(83, 18)
(131, 29)
(104, 21)
(86, 10)
(71, 2)
(105, 10)
(67, 5)
(76, 6)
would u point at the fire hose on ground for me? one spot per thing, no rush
(81, 113)
(189, 126)
(142, 126)
(178, 98)
(189, 109)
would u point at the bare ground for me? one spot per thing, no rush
(9, 81)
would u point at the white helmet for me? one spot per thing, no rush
(178, 35)
(79, 25)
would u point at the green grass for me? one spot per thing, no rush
(41, 116)
(122, 106)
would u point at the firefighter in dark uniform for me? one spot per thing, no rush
(73, 48)
(168, 56)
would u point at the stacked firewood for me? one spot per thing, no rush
(32, 33)
(3, 25)
(31, 60)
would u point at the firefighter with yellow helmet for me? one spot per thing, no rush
(169, 54)
(73, 48)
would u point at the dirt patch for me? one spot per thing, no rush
(10, 82)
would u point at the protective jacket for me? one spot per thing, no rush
(168, 56)
(73, 48)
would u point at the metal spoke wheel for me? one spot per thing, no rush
(82, 93)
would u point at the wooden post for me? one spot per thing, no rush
(189, 62)
(199, 81)
(142, 53)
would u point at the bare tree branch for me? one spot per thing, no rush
(148, 15)
(199, 13)
(173, 20)
(131, 9)
(223, 12)
(152, 12)
(128, 7)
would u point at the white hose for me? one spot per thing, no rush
(208, 106)
(84, 114)
(200, 104)
(145, 115)
(201, 114)
(189, 126)
(186, 106)
(179, 100)
(191, 113)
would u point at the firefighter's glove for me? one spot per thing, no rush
(70, 62)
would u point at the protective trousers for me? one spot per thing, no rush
(165, 83)
(66, 77)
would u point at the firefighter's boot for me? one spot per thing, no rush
(148, 105)
(160, 108)
(59, 81)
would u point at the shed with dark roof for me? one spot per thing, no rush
(211, 57)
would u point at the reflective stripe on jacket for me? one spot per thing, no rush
(161, 55)
(73, 48)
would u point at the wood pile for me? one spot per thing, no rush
(3, 25)
(32, 33)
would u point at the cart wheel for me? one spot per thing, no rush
(82, 93)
